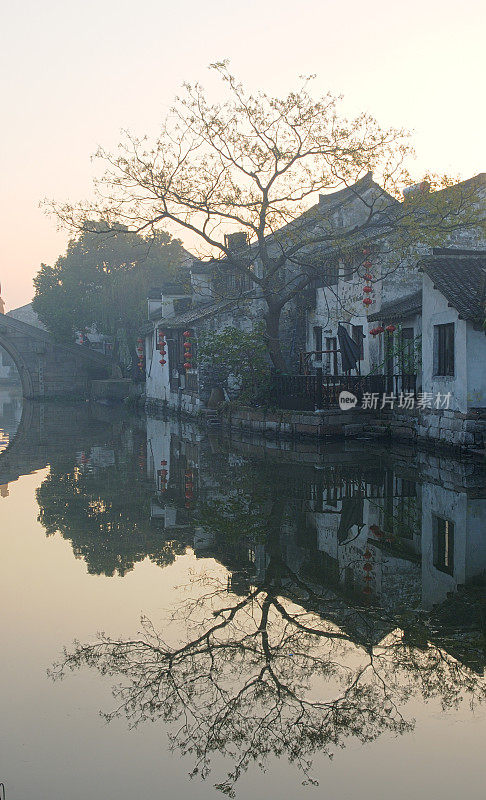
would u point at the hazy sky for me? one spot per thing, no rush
(75, 73)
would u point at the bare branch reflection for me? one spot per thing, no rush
(282, 670)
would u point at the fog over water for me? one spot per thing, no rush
(255, 605)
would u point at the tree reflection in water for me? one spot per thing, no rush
(279, 664)
(100, 502)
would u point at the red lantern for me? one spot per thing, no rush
(367, 265)
(187, 365)
(367, 301)
(366, 250)
(186, 334)
(374, 528)
(162, 361)
(187, 345)
(374, 332)
(390, 328)
(367, 554)
(368, 276)
(367, 289)
(380, 329)
(163, 462)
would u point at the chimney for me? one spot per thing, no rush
(236, 241)
(154, 301)
(201, 281)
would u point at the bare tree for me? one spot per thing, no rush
(253, 164)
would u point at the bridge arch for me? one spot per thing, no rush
(48, 367)
(22, 368)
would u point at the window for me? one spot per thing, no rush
(318, 342)
(238, 283)
(444, 349)
(407, 360)
(443, 545)
(357, 336)
(348, 269)
(327, 275)
(332, 273)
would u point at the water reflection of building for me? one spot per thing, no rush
(10, 412)
(172, 465)
(9, 375)
(453, 540)
(401, 531)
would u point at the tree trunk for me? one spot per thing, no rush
(272, 332)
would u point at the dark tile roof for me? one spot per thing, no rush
(460, 275)
(399, 309)
(198, 313)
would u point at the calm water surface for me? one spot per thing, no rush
(238, 613)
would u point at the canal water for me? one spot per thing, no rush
(190, 615)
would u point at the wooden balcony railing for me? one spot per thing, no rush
(310, 392)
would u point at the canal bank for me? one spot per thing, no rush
(441, 429)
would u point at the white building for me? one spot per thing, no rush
(453, 332)
(381, 281)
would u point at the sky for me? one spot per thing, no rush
(74, 74)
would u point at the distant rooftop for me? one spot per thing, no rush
(27, 314)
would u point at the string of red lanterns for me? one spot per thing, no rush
(163, 475)
(189, 486)
(162, 350)
(187, 350)
(380, 329)
(140, 352)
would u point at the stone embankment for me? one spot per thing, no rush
(443, 429)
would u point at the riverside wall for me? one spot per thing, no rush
(442, 429)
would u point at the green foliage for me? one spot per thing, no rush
(240, 356)
(103, 279)
(408, 355)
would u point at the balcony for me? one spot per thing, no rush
(310, 392)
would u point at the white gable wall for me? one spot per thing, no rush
(157, 383)
(476, 367)
(436, 311)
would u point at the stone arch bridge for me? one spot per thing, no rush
(48, 368)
